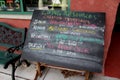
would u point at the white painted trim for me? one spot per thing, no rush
(15, 16)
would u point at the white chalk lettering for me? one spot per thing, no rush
(39, 27)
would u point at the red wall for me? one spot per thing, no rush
(16, 22)
(107, 6)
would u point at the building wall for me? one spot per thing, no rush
(20, 23)
(107, 6)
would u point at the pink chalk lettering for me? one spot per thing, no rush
(72, 48)
(64, 47)
(83, 50)
(49, 45)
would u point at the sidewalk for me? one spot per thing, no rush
(49, 74)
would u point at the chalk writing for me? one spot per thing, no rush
(72, 43)
(49, 45)
(71, 53)
(72, 48)
(61, 29)
(67, 42)
(84, 31)
(61, 42)
(49, 17)
(77, 20)
(39, 22)
(68, 48)
(68, 39)
(39, 27)
(91, 28)
(77, 38)
(65, 29)
(36, 46)
(71, 33)
(61, 52)
(83, 21)
(67, 14)
(65, 23)
(40, 36)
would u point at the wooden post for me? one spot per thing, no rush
(87, 75)
(38, 71)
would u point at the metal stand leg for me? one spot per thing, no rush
(13, 71)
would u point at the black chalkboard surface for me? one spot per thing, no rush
(67, 39)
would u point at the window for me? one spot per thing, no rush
(23, 6)
(30, 5)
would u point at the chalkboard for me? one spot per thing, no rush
(67, 39)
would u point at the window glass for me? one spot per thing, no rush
(30, 5)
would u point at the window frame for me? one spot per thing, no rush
(24, 12)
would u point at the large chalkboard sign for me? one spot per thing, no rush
(67, 39)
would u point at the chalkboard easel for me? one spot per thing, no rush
(66, 40)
